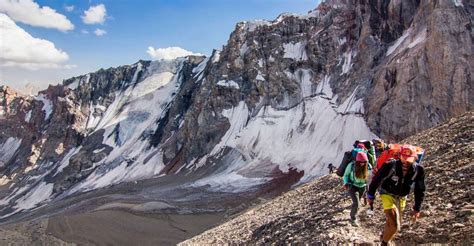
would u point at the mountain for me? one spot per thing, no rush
(318, 212)
(280, 101)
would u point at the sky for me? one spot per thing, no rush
(45, 41)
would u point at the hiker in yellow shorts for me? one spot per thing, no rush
(396, 178)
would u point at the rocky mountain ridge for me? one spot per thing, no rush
(318, 212)
(281, 100)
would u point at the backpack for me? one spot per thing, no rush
(393, 154)
(368, 144)
(346, 159)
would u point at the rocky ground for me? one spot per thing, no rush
(318, 212)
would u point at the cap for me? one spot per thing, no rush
(408, 153)
(361, 157)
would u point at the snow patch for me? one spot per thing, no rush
(74, 84)
(347, 65)
(37, 195)
(47, 105)
(260, 76)
(28, 116)
(303, 77)
(406, 41)
(243, 49)
(137, 71)
(216, 57)
(228, 83)
(65, 161)
(458, 3)
(296, 51)
(324, 87)
(397, 43)
(8, 149)
(419, 38)
(200, 68)
(351, 105)
(342, 40)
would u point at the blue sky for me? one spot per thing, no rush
(131, 27)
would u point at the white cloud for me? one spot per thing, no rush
(69, 8)
(95, 15)
(100, 32)
(169, 53)
(19, 49)
(29, 12)
(84, 31)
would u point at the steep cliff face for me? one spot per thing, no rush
(281, 100)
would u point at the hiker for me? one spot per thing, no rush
(396, 178)
(355, 180)
(331, 168)
(368, 148)
(359, 146)
(391, 151)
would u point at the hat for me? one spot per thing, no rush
(361, 157)
(408, 153)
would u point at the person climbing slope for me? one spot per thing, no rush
(355, 180)
(396, 178)
(385, 152)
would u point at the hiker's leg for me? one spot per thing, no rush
(353, 191)
(402, 203)
(390, 210)
(390, 224)
(361, 193)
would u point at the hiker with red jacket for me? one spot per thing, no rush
(396, 178)
(355, 180)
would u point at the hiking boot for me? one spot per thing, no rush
(355, 223)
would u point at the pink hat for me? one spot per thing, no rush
(361, 157)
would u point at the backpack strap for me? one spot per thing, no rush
(416, 173)
(392, 170)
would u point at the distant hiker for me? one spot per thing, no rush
(331, 168)
(396, 178)
(379, 146)
(355, 180)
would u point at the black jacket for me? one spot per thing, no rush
(390, 177)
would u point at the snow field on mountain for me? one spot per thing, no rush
(8, 149)
(306, 137)
(134, 112)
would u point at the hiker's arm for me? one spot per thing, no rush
(378, 178)
(419, 189)
(347, 172)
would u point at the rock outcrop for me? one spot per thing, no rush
(318, 212)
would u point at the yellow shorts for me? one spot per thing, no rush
(389, 202)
